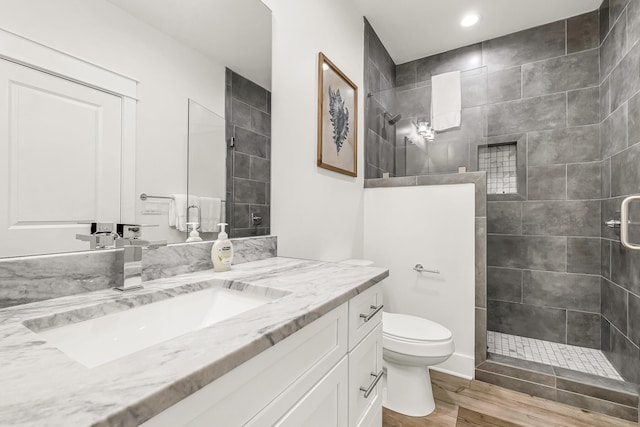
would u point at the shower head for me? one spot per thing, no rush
(392, 119)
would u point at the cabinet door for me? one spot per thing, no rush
(365, 366)
(325, 405)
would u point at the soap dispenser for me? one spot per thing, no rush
(194, 236)
(222, 251)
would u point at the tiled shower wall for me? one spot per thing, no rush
(620, 135)
(413, 100)
(539, 87)
(248, 116)
(380, 135)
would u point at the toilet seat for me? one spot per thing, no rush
(415, 336)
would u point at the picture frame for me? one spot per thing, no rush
(337, 119)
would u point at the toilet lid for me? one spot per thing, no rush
(405, 327)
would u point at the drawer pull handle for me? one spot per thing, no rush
(374, 311)
(372, 386)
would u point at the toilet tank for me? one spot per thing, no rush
(355, 261)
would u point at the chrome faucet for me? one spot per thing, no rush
(102, 235)
(129, 260)
(106, 235)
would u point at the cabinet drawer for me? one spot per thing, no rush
(291, 366)
(365, 365)
(322, 406)
(364, 304)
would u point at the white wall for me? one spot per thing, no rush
(432, 226)
(169, 74)
(315, 213)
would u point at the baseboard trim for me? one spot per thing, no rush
(458, 365)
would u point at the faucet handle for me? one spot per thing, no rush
(97, 227)
(130, 235)
(102, 227)
(102, 235)
(132, 231)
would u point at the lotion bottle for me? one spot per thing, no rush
(222, 251)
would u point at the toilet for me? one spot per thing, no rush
(410, 345)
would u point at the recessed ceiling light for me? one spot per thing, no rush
(470, 20)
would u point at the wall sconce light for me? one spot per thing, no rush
(425, 130)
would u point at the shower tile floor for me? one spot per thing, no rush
(587, 360)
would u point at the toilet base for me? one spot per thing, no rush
(407, 390)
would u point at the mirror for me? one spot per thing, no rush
(99, 102)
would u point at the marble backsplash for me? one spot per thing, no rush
(36, 278)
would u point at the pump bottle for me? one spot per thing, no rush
(222, 251)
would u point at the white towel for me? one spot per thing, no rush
(178, 210)
(210, 214)
(446, 101)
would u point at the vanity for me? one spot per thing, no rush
(297, 343)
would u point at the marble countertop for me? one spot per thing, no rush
(41, 386)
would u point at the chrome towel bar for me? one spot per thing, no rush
(145, 196)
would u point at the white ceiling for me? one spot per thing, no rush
(412, 29)
(234, 33)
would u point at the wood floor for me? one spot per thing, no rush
(465, 403)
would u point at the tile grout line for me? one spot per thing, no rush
(566, 36)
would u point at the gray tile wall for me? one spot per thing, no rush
(620, 156)
(248, 115)
(380, 136)
(453, 147)
(542, 86)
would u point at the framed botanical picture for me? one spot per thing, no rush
(337, 119)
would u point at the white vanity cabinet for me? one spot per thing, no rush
(312, 378)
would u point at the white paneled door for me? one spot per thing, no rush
(60, 160)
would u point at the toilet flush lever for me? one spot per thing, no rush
(374, 310)
(420, 269)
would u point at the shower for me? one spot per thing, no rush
(392, 119)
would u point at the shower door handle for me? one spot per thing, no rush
(624, 223)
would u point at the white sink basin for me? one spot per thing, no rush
(103, 339)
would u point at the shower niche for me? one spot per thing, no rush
(504, 159)
(499, 162)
